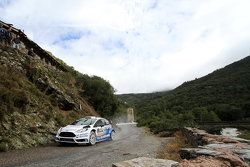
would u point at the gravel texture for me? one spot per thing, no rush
(131, 142)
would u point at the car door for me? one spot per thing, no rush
(99, 125)
(106, 128)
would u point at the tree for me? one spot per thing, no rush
(99, 93)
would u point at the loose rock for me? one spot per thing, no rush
(146, 162)
(228, 151)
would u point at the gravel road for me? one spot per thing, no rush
(130, 142)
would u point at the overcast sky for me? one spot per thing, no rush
(137, 45)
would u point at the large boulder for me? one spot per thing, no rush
(217, 147)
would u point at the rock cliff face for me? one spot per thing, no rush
(36, 98)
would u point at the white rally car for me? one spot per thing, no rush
(88, 130)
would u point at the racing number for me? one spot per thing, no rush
(102, 130)
(99, 125)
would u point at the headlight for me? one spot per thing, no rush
(59, 130)
(82, 130)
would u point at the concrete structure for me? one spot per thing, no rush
(130, 115)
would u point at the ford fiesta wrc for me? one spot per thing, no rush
(88, 130)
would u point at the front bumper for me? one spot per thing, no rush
(80, 139)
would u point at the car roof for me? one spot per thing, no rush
(94, 117)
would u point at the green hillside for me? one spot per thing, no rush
(135, 99)
(223, 95)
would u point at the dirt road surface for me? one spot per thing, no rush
(130, 142)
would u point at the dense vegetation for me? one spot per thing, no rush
(223, 95)
(99, 93)
(96, 90)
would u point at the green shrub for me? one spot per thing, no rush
(3, 112)
(60, 119)
(4, 146)
(13, 99)
(48, 115)
(99, 93)
(34, 73)
(73, 114)
(34, 129)
(21, 99)
(168, 121)
(245, 134)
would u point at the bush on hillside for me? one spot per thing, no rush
(99, 93)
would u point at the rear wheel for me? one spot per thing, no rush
(92, 138)
(112, 135)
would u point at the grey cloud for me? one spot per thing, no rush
(139, 46)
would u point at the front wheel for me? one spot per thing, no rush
(92, 138)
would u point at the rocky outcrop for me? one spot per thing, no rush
(37, 49)
(39, 93)
(60, 99)
(228, 151)
(146, 162)
(204, 161)
(35, 100)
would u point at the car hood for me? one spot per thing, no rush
(73, 128)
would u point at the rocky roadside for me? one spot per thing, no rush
(208, 151)
(214, 150)
(35, 100)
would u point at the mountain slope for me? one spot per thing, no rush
(221, 95)
(39, 93)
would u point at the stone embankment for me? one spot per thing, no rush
(214, 150)
(207, 151)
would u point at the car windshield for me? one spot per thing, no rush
(84, 121)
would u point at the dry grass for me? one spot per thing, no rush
(171, 150)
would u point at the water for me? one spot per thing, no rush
(230, 132)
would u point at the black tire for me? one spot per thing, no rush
(92, 138)
(112, 134)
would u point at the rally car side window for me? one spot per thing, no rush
(106, 122)
(99, 123)
(103, 122)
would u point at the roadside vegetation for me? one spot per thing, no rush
(245, 134)
(98, 92)
(223, 95)
(172, 148)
